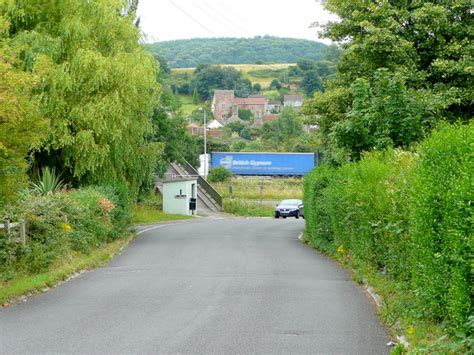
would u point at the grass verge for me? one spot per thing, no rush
(60, 271)
(396, 310)
(143, 214)
(240, 207)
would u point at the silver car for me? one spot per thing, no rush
(289, 208)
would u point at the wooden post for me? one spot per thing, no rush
(22, 228)
(7, 227)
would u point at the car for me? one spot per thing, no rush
(290, 208)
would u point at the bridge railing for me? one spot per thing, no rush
(203, 183)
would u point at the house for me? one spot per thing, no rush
(193, 129)
(215, 124)
(295, 101)
(258, 105)
(225, 106)
(222, 105)
(274, 106)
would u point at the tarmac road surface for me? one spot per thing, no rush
(222, 286)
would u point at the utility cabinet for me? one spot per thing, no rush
(179, 196)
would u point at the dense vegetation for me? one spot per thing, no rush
(393, 198)
(189, 53)
(408, 216)
(83, 102)
(405, 68)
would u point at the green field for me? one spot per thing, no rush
(247, 68)
(256, 188)
(187, 104)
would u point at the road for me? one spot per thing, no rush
(210, 286)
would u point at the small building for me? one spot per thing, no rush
(193, 129)
(295, 101)
(258, 105)
(180, 196)
(215, 124)
(215, 133)
(274, 106)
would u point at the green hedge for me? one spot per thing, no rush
(61, 223)
(406, 214)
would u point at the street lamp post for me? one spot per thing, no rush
(205, 142)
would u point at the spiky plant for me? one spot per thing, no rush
(48, 182)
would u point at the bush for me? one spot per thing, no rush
(60, 223)
(219, 174)
(441, 225)
(408, 215)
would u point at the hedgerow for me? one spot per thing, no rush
(61, 223)
(407, 216)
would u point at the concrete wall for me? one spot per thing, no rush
(176, 196)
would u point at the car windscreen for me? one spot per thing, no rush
(289, 203)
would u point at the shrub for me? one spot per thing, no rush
(62, 222)
(407, 214)
(441, 225)
(219, 174)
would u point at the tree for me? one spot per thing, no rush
(97, 87)
(245, 115)
(280, 132)
(426, 48)
(210, 77)
(257, 88)
(311, 82)
(275, 85)
(219, 174)
(23, 128)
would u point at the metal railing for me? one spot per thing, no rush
(203, 183)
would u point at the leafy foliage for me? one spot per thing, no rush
(96, 85)
(48, 182)
(406, 215)
(210, 77)
(425, 48)
(23, 128)
(59, 223)
(219, 174)
(192, 52)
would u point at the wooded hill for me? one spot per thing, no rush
(191, 52)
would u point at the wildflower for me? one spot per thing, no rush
(410, 330)
(66, 227)
(340, 249)
(106, 205)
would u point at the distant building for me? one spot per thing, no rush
(193, 129)
(295, 101)
(257, 105)
(225, 106)
(274, 106)
(215, 124)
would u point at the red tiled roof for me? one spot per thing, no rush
(250, 101)
(269, 117)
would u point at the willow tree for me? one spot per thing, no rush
(97, 87)
(21, 125)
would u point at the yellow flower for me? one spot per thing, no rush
(340, 249)
(66, 227)
(410, 330)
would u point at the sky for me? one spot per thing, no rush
(163, 20)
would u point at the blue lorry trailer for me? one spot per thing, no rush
(265, 164)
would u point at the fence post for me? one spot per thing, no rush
(7, 227)
(22, 231)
